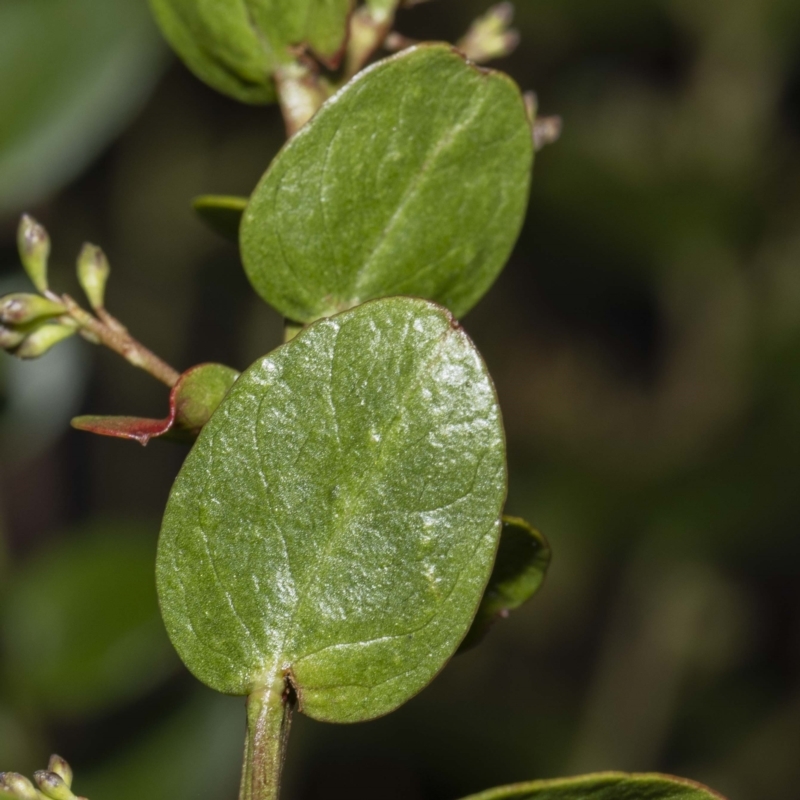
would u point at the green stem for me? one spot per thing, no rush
(269, 717)
(368, 30)
(113, 334)
(301, 93)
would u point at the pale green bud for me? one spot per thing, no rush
(61, 768)
(490, 36)
(19, 308)
(11, 337)
(52, 786)
(45, 338)
(93, 272)
(18, 786)
(34, 251)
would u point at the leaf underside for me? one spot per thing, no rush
(523, 558)
(337, 520)
(361, 203)
(604, 786)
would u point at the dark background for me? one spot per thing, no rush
(645, 341)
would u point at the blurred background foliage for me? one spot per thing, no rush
(645, 340)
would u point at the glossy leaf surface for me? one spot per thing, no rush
(519, 572)
(413, 180)
(222, 214)
(236, 47)
(338, 518)
(72, 73)
(81, 627)
(192, 401)
(603, 786)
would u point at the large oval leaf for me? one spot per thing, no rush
(337, 520)
(236, 46)
(413, 180)
(604, 786)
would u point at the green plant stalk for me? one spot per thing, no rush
(269, 718)
(301, 94)
(110, 332)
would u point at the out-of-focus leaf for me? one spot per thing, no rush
(81, 628)
(72, 72)
(362, 204)
(15, 745)
(338, 517)
(519, 571)
(194, 755)
(192, 401)
(603, 786)
(221, 214)
(237, 47)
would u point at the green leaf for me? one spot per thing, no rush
(81, 628)
(519, 572)
(320, 24)
(604, 786)
(413, 180)
(337, 520)
(221, 214)
(72, 72)
(192, 401)
(236, 47)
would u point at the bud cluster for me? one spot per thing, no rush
(31, 324)
(491, 36)
(54, 783)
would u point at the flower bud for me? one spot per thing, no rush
(490, 36)
(61, 768)
(34, 251)
(93, 272)
(11, 337)
(19, 309)
(17, 786)
(52, 785)
(40, 341)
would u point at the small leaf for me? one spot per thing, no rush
(412, 180)
(192, 401)
(237, 47)
(337, 520)
(80, 624)
(519, 572)
(222, 214)
(603, 786)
